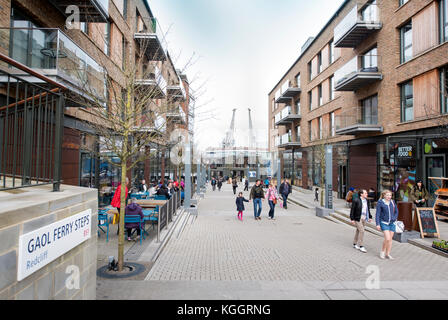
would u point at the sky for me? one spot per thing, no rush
(239, 50)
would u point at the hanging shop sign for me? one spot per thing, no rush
(42, 246)
(405, 155)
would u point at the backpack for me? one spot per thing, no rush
(349, 196)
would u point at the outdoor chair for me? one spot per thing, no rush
(103, 221)
(136, 219)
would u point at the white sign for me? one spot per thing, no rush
(252, 174)
(40, 247)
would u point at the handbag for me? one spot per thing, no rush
(275, 201)
(399, 227)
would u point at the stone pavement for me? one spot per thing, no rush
(297, 256)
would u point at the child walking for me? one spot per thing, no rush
(240, 205)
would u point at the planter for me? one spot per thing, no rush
(439, 248)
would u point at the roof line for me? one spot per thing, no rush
(309, 46)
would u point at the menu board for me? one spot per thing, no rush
(427, 222)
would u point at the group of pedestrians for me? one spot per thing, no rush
(386, 215)
(258, 195)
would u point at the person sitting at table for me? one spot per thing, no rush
(142, 187)
(171, 190)
(152, 190)
(163, 191)
(133, 209)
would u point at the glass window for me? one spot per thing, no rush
(331, 55)
(320, 95)
(444, 89)
(370, 60)
(443, 7)
(107, 39)
(310, 99)
(370, 110)
(331, 87)
(319, 62)
(298, 106)
(310, 70)
(310, 133)
(298, 133)
(369, 13)
(402, 2)
(332, 126)
(320, 128)
(298, 80)
(407, 102)
(406, 42)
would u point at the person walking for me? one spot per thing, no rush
(316, 195)
(285, 190)
(272, 197)
(419, 195)
(213, 183)
(246, 185)
(234, 185)
(359, 215)
(219, 183)
(386, 216)
(257, 195)
(240, 205)
(116, 200)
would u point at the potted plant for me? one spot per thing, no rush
(441, 245)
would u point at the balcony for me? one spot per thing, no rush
(158, 128)
(176, 92)
(357, 73)
(286, 142)
(89, 10)
(153, 43)
(177, 115)
(154, 83)
(52, 53)
(356, 121)
(287, 92)
(286, 117)
(357, 26)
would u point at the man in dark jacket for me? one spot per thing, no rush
(285, 190)
(359, 215)
(257, 194)
(219, 183)
(133, 209)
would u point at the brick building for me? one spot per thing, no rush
(107, 39)
(373, 84)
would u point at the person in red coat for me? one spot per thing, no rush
(116, 200)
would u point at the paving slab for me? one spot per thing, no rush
(345, 295)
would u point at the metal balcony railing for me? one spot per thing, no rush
(31, 128)
(52, 53)
(358, 72)
(356, 26)
(153, 42)
(156, 82)
(357, 120)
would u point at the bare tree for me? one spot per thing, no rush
(128, 108)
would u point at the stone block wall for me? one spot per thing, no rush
(29, 209)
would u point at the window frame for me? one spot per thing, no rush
(443, 20)
(403, 48)
(444, 90)
(404, 98)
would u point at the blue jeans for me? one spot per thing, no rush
(271, 211)
(257, 202)
(385, 227)
(285, 200)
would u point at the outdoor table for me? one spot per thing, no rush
(150, 203)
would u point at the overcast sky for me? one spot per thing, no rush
(241, 49)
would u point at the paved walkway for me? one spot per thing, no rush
(297, 256)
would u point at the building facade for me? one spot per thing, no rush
(108, 40)
(372, 84)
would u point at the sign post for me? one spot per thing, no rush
(187, 190)
(329, 177)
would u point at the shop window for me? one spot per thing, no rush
(407, 102)
(443, 8)
(406, 42)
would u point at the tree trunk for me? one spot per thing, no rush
(122, 213)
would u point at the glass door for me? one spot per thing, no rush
(435, 167)
(87, 168)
